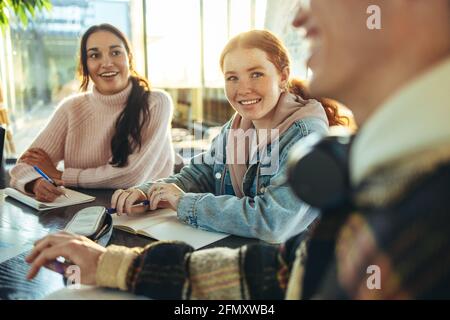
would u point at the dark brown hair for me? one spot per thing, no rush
(277, 54)
(128, 135)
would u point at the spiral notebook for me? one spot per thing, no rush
(74, 197)
(163, 224)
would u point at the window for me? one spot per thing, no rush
(173, 38)
(178, 49)
(184, 51)
(38, 64)
(184, 42)
(185, 38)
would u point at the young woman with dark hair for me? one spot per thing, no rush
(114, 136)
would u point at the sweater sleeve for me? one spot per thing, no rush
(172, 270)
(155, 154)
(51, 140)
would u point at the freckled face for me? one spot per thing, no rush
(252, 83)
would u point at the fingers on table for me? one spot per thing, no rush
(156, 194)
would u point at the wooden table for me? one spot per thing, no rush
(31, 225)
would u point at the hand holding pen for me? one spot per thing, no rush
(124, 201)
(136, 208)
(47, 178)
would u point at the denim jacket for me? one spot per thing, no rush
(269, 210)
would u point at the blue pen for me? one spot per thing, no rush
(43, 175)
(143, 203)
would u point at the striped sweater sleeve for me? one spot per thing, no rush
(51, 140)
(172, 270)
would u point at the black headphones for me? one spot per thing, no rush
(318, 170)
(318, 173)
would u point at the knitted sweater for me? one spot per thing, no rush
(80, 133)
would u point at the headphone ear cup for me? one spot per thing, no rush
(318, 171)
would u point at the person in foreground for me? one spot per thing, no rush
(395, 80)
(113, 136)
(233, 188)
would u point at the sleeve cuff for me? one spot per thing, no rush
(21, 183)
(21, 175)
(113, 266)
(186, 208)
(70, 177)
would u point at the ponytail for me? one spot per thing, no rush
(299, 88)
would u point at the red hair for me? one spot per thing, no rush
(278, 54)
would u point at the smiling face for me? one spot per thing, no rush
(253, 84)
(342, 47)
(362, 67)
(107, 62)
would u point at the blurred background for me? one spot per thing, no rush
(177, 44)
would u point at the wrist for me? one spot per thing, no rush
(113, 266)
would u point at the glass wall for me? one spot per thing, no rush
(177, 44)
(173, 43)
(39, 61)
(185, 39)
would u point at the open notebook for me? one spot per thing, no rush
(163, 224)
(74, 197)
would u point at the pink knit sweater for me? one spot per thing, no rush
(80, 133)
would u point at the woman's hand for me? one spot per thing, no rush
(80, 251)
(44, 190)
(123, 200)
(40, 158)
(164, 195)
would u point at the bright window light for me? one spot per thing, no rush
(173, 38)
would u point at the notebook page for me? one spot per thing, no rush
(173, 229)
(74, 198)
(143, 220)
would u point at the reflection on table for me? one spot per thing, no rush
(21, 226)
